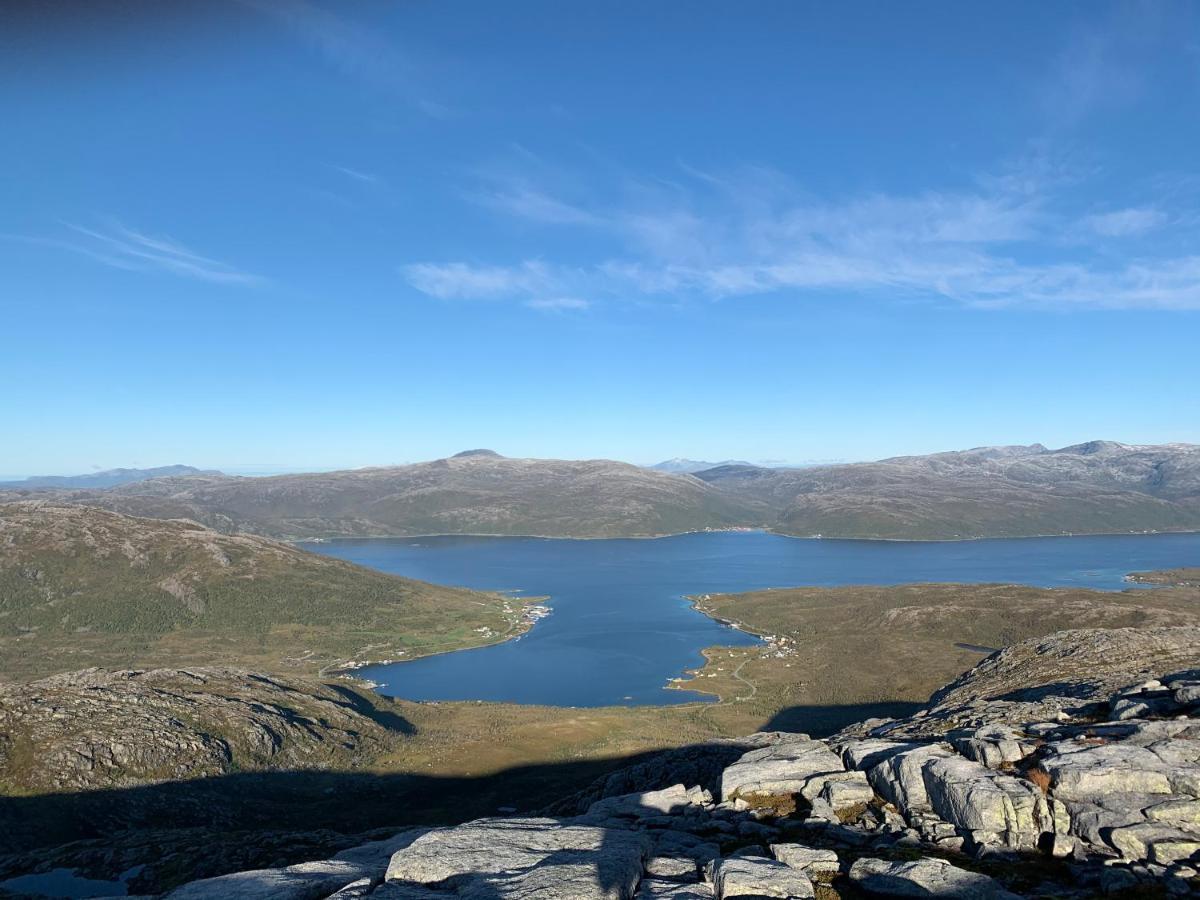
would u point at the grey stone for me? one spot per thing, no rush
(928, 877)
(975, 798)
(809, 860)
(1177, 752)
(1183, 814)
(673, 868)
(870, 752)
(356, 890)
(519, 857)
(780, 769)
(994, 746)
(813, 786)
(305, 881)
(900, 778)
(847, 794)
(759, 877)
(377, 853)
(669, 801)
(1084, 773)
(387, 891)
(652, 889)
(565, 875)
(1140, 842)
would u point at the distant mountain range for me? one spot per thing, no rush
(680, 466)
(106, 479)
(477, 492)
(1097, 487)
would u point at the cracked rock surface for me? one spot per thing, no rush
(1098, 794)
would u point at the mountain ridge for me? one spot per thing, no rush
(1096, 487)
(103, 479)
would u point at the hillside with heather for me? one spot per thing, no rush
(81, 586)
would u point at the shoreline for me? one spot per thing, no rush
(348, 670)
(733, 530)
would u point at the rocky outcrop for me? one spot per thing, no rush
(1092, 799)
(96, 728)
(931, 877)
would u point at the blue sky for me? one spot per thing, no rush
(279, 235)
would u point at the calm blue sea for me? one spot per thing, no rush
(621, 627)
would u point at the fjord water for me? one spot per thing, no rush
(621, 626)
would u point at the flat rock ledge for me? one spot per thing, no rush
(1099, 796)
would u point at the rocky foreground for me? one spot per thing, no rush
(1066, 767)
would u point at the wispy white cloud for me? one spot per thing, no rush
(1125, 222)
(525, 202)
(1007, 242)
(557, 304)
(120, 247)
(462, 281)
(357, 174)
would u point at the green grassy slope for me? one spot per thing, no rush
(82, 587)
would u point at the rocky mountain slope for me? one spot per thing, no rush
(1099, 487)
(81, 586)
(477, 492)
(1096, 487)
(1063, 767)
(100, 729)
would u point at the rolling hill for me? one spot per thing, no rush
(87, 587)
(106, 479)
(478, 492)
(1098, 487)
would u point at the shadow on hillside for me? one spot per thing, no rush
(382, 717)
(822, 721)
(248, 820)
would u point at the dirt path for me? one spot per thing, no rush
(737, 673)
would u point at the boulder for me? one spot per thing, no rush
(563, 875)
(995, 746)
(783, 768)
(930, 877)
(526, 858)
(376, 854)
(900, 778)
(1092, 820)
(1183, 814)
(387, 891)
(847, 794)
(304, 881)
(357, 890)
(669, 801)
(977, 799)
(1080, 772)
(653, 889)
(809, 860)
(672, 868)
(1154, 842)
(746, 876)
(870, 752)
